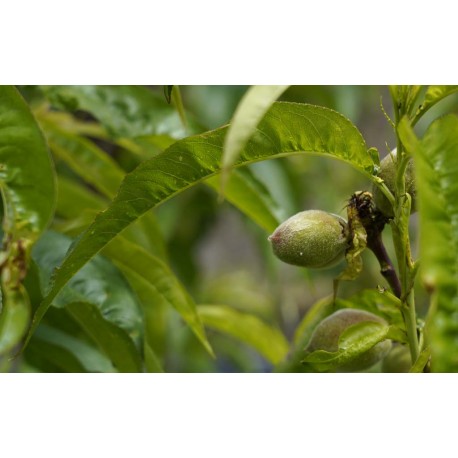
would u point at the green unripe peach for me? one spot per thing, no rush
(327, 334)
(397, 360)
(311, 238)
(388, 175)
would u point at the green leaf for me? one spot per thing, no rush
(434, 94)
(250, 196)
(155, 309)
(404, 97)
(412, 96)
(147, 233)
(99, 283)
(66, 122)
(152, 363)
(90, 162)
(270, 342)
(421, 361)
(79, 206)
(125, 111)
(251, 109)
(50, 357)
(398, 334)
(178, 102)
(86, 355)
(163, 284)
(168, 93)
(74, 199)
(288, 128)
(27, 178)
(317, 313)
(436, 167)
(353, 342)
(113, 340)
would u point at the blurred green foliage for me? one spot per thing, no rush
(219, 254)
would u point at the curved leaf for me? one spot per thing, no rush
(405, 97)
(66, 122)
(73, 199)
(178, 102)
(60, 343)
(168, 93)
(152, 363)
(434, 94)
(155, 308)
(50, 357)
(113, 340)
(270, 342)
(317, 313)
(163, 284)
(251, 109)
(27, 178)
(436, 168)
(99, 283)
(421, 362)
(125, 111)
(288, 128)
(250, 196)
(78, 205)
(86, 159)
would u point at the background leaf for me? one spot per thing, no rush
(168, 93)
(53, 350)
(250, 196)
(99, 299)
(317, 313)
(91, 163)
(125, 111)
(112, 339)
(51, 357)
(152, 363)
(269, 341)
(161, 282)
(78, 206)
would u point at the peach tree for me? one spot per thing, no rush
(85, 274)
